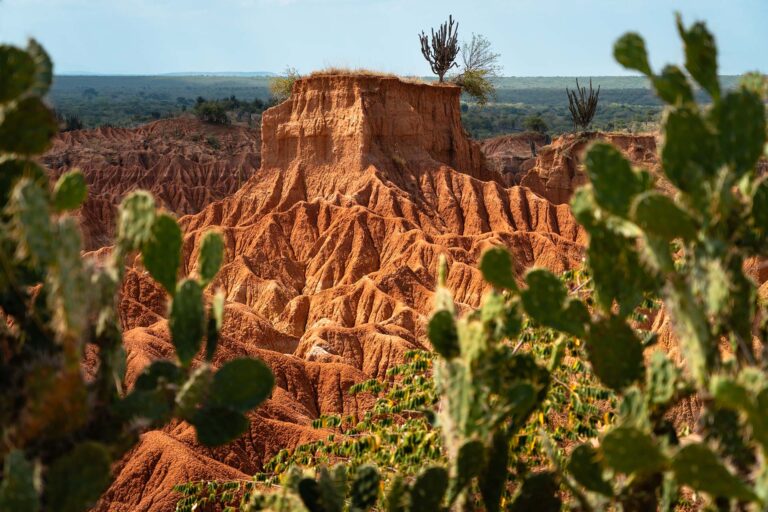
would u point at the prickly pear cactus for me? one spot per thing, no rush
(488, 389)
(687, 246)
(59, 434)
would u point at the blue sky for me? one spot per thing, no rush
(534, 37)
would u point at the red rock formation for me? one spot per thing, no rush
(558, 171)
(513, 155)
(185, 163)
(331, 256)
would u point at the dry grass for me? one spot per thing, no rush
(340, 71)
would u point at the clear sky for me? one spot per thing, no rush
(534, 37)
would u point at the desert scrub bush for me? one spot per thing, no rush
(281, 87)
(479, 67)
(477, 84)
(212, 112)
(65, 417)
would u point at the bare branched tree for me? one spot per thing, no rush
(583, 106)
(476, 55)
(442, 48)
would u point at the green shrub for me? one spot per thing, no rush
(60, 432)
(477, 85)
(535, 123)
(212, 112)
(281, 87)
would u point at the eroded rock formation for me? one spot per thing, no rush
(186, 164)
(331, 255)
(558, 171)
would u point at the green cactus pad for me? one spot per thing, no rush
(215, 321)
(700, 468)
(629, 450)
(615, 353)
(493, 479)
(161, 253)
(700, 56)
(12, 170)
(629, 50)
(760, 206)
(365, 488)
(76, 480)
(539, 492)
(186, 320)
(544, 298)
(469, 464)
(35, 232)
(661, 379)
(659, 216)
(27, 128)
(210, 257)
(218, 425)
(241, 384)
(194, 391)
(584, 466)
(496, 266)
(740, 120)
(672, 86)
(614, 183)
(70, 191)
(43, 68)
(618, 272)
(154, 405)
(689, 154)
(156, 372)
(396, 496)
(443, 335)
(309, 491)
(332, 490)
(17, 490)
(18, 72)
(137, 215)
(429, 488)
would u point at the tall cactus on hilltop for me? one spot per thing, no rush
(442, 48)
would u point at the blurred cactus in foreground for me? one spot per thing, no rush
(65, 416)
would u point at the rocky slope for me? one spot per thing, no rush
(185, 163)
(513, 155)
(557, 170)
(331, 253)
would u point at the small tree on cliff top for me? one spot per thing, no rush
(480, 65)
(441, 48)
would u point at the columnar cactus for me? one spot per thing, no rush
(60, 432)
